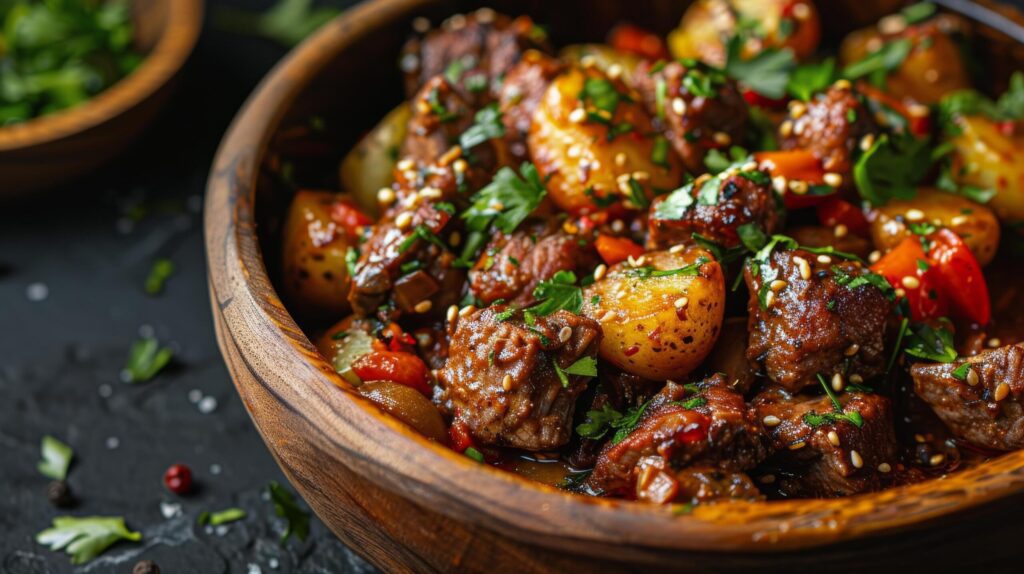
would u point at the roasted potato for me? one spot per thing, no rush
(407, 405)
(973, 222)
(602, 55)
(591, 138)
(792, 24)
(315, 277)
(933, 68)
(986, 157)
(343, 343)
(369, 165)
(658, 324)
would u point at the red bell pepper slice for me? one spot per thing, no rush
(796, 165)
(348, 216)
(908, 268)
(833, 211)
(460, 438)
(962, 279)
(616, 249)
(636, 40)
(402, 368)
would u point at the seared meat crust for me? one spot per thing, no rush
(824, 127)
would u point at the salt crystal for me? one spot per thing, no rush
(221, 530)
(207, 405)
(146, 331)
(113, 442)
(194, 396)
(37, 292)
(273, 563)
(106, 390)
(215, 469)
(255, 569)
(170, 509)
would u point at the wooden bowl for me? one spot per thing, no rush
(408, 504)
(46, 151)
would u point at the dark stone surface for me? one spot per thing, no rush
(60, 357)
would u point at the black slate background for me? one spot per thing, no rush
(60, 358)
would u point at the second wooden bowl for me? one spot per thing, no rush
(411, 505)
(46, 151)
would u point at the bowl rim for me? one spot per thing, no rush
(177, 40)
(487, 496)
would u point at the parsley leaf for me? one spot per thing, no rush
(807, 79)
(867, 277)
(222, 517)
(1010, 105)
(918, 12)
(960, 373)
(628, 423)
(288, 22)
(935, 344)
(507, 200)
(286, 507)
(598, 423)
(574, 480)
(87, 537)
(487, 125)
(583, 367)
(162, 269)
(56, 458)
(767, 73)
(559, 292)
(474, 454)
(814, 419)
(892, 168)
(752, 237)
(146, 359)
(880, 62)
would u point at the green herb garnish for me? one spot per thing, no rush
(225, 516)
(146, 359)
(839, 414)
(158, 274)
(487, 125)
(87, 537)
(559, 292)
(767, 73)
(285, 506)
(56, 458)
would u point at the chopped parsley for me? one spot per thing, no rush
(659, 153)
(146, 359)
(487, 125)
(851, 282)
(599, 423)
(931, 343)
(437, 108)
(808, 79)
(474, 454)
(559, 292)
(159, 273)
(225, 516)
(285, 506)
(648, 271)
(767, 73)
(87, 537)
(351, 256)
(506, 201)
(877, 65)
(583, 367)
(574, 480)
(691, 403)
(960, 373)
(421, 232)
(892, 168)
(56, 458)
(919, 12)
(814, 419)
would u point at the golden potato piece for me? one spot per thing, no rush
(973, 222)
(316, 280)
(661, 318)
(602, 55)
(779, 24)
(591, 138)
(369, 165)
(986, 157)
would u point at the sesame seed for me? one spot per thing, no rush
(406, 165)
(892, 24)
(574, 151)
(874, 256)
(620, 159)
(856, 379)
(801, 11)
(455, 239)
(798, 187)
(578, 116)
(936, 459)
(565, 333)
(749, 166)
(424, 340)
(466, 310)
(422, 107)
(824, 259)
(641, 175)
(423, 306)
(841, 230)
(959, 220)
(600, 272)
(641, 260)
(777, 285)
(918, 111)
(412, 200)
(838, 384)
(453, 312)
(833, 179)
(914, 215)
(588, 61)
(797, 445)
(404, 220)
(779, 184)
(618, 226)
(430, 193)
(506, 382)
(900, 293)
(852, 350)
(676, 249)
(842, 84)
(972, 377)
(460, 166)
(786, 129)
(569, 227)
(866, 142)
(994, 342)
(769, 298)
(386, 196)
(496, 206)
(614, 71)
(805, 267)
(920, 438)
(885, 468)
(771, 421)
(911, 282)
(608, 316)
(722, 138)
(833, 437)
(682, 302)
(768, 479)
(1002, 391)
(797, 108)
(679, 106)
(856, 459)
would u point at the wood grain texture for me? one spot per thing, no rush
(45, 151)
(410, 505)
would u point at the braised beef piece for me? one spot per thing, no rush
(519, 96)
(684, 425)
(512, 265)
(982, 402)
(439, 116)
(740, 198)
(474, 50)
(699, 110)
(500, 379)
(658, 483)
(831, 126)
(811, 316)
(825, 455)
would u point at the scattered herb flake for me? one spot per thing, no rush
(158, 274)
(285, 506)
(225, 516)
(87, 537)
(56, 458)
(146, 359)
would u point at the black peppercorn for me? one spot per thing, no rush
(59, 494)
(146, 567)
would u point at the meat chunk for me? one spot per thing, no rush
(659, 484)
(811, 315)
(684, 425)
(715, 207)
(475, 51)
(519, 96)
(830, 126)
(821, 236)
(512, 265)
(697, 107)
(822, 455)
(981, 398)
(501, 381)
(439, 116)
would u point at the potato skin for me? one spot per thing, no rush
(409, 406)
(316, 281)
(706, 22)
(369, 165)
(986, 157)
(603, 55)
(576, 157)
(973, 222)
(645, 334)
